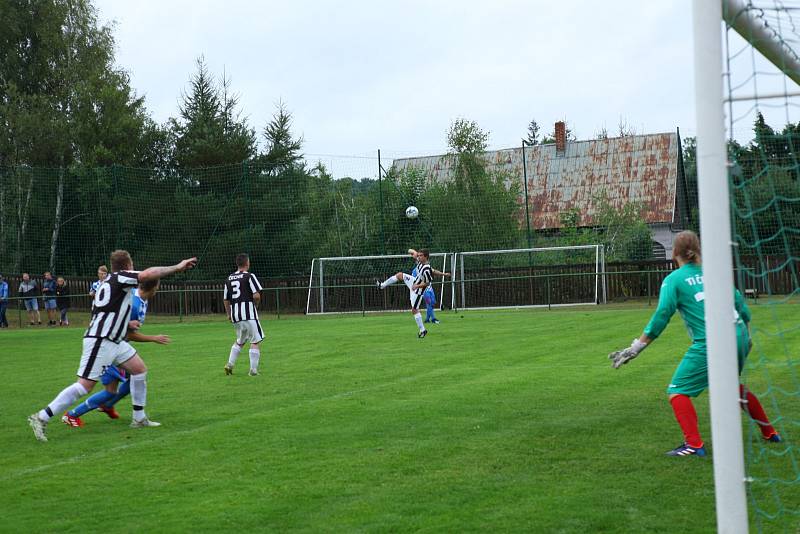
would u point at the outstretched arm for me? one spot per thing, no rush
(439, 273)
(156, 273)
(160, 339)
(667, 305)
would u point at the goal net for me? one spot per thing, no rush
(750, 115)
(348, 284)
(530, 277)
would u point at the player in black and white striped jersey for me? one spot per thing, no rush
(241, 296)
(416, 285)
(104, 341)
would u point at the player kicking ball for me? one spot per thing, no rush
(115, 379)
(682, 291)
(416, 285)
(241, 296)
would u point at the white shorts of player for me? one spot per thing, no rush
(413, 297)
(248, 331)
(408, 280)
(101, 353)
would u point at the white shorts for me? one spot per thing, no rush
(101, 353)
(408, 280)
(248, 331)
(416, 300)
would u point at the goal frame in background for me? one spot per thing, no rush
(715, 225)
(600, 292)
(318, 268)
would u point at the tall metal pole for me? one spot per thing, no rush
(527, 221)
(380, 196)
(525, 188)
(715, 227)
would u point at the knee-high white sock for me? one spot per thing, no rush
(255, 354)
(63, 400)
(418, 318)
(235, 350)
(389, 281)
(139, 395)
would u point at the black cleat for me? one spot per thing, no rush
(422, 334)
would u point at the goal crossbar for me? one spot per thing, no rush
(534, 249)
(739, 16)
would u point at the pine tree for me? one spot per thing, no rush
(283, 150)
(533, 133)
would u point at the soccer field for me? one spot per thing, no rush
(502, 420)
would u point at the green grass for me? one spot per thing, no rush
(502, 421)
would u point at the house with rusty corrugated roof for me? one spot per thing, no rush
(569, 175)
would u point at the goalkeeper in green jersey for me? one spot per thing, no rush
(682, 291)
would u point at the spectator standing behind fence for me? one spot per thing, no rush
(63, 300)
(27, 290)
(3, 302)
(102, 273)
(49, 297)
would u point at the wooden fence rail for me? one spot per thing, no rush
(487, 287)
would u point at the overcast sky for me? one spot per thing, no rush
(362, 75)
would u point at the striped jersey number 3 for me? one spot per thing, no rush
(235, 287)
(103, 295)
(701, 297)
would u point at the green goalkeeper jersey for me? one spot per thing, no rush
(682, 290)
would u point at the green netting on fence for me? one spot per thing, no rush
(68, 220)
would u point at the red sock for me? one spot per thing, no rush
(687, 418)
(756, 411)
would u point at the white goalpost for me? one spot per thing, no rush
(346, 284)
(716, 232)
(531, 277)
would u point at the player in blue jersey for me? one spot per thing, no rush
(429, 296)
(102, 274)
(115, 379)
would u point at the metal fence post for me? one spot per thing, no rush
(363, 309)
(548, 293)
(278, 300)
(649, 289)
(380, 197)
(525, 189)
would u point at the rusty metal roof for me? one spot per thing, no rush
(640, 168)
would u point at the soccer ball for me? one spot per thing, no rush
(412, 212)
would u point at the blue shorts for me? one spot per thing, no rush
(31, 304)
(50, 304)
(112, 373)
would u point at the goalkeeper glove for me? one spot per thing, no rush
(621, 357)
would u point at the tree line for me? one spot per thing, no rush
(84, 168)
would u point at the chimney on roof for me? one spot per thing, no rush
(561, 137)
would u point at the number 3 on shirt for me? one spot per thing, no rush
(236, 292)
